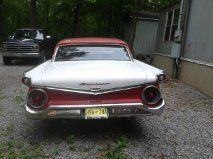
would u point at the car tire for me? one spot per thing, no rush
(7, 60)
(43, 57)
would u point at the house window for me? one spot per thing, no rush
(171, 24)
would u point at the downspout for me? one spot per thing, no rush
(180, 15)
(186, 22)
(178, 35)
(185, 13)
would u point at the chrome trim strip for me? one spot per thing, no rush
(77, 111)
(155, 110)
(96, 92)
(158, 107)
(94, 105)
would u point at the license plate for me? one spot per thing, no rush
(96, 113)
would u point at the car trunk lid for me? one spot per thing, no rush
(93, 76)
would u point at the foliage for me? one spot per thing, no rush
(71, 18)
(71, 142)
(13, 149)
(155, 5)
(116, 152)
(19, 99)
(7, 130)
(1, 96)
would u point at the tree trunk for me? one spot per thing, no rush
(134, 26)
(19, 15)
(19, 20)
(33, 17)
(1, 21)
(76, 19)
(109, 25)
(46, 12)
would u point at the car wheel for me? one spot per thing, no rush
(7, 60)
(43, 57)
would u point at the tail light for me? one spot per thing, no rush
(151, 95)
(37, 98)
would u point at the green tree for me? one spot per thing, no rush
(73, 18)
(33, 13)
(1, 19)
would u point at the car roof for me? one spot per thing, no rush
(92, 40)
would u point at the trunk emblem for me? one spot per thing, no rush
(94, 87)
(94, 84)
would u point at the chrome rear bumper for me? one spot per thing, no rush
(77, 111)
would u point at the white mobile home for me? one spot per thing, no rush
(184, 45)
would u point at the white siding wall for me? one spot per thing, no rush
(145, 37)
(199, 47)
(199, 39)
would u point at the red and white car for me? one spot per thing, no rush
(93, 78)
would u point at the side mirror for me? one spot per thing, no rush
(48, 37)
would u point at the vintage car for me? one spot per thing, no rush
(28, 43)
(93, 78)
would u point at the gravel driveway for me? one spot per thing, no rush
(185, 129)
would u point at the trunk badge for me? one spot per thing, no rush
(94, 84)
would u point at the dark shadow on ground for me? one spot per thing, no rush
(90, 129)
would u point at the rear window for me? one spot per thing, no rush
(83, 53)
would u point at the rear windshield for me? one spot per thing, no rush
(83, 53)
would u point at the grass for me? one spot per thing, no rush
(2, 96)
(71, 142)
(12, 150)
(1, 109)
(19, 99)
(55, 152)
(84, 149)
(115, 152)
(72, 145)
(8, 130)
